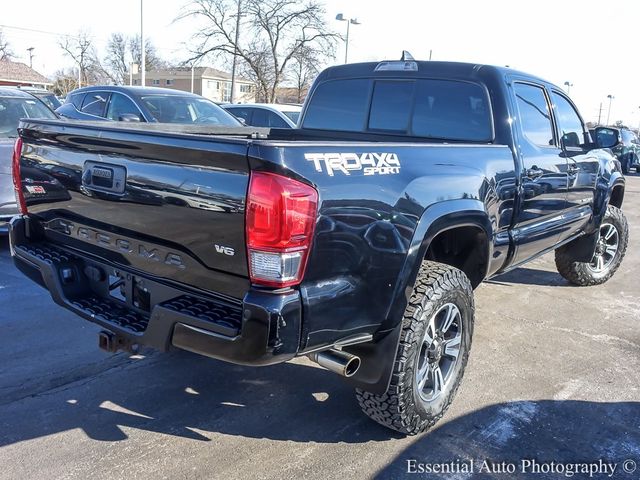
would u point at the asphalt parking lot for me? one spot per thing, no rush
(554, 375)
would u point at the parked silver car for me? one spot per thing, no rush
(14, 105)
(271, 115)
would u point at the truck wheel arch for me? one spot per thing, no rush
(454, 216)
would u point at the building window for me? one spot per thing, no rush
(135, 81)
(246, 88)
(226, 91)
(155, 82)
(169, 82)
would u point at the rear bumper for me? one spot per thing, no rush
(263, 329)
(5, 218)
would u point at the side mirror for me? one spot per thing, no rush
(129, 117)
(606, 137)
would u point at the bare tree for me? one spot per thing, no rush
(152, 59)
(272, 34)
(122, 51)
(117, 61)
(305, 66)
(82, 51)
(5, 49)
(65, 81)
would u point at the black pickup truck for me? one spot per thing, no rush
(356, 239)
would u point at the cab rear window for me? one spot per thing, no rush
(429, 108)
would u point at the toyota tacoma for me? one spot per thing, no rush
(356, 239)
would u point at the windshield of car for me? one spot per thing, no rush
(177, 109)
(293, 115)
(13, 109)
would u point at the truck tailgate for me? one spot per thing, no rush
(170, 205)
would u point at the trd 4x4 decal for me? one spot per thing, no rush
(369, 163)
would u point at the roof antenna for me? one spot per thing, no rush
(407, 57)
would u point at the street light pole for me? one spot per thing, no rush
(600, 113)
(143, 54)
(350, 21)
(568, 85)
(610, 97)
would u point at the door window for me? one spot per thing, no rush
(266, 118)
(120, 105)
(569, 123)
(243, 113)
(535, 116)
(95, 103)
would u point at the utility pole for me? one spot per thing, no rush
(235, 56)
(192, 75)
(30, 50)
(610, 97)
(600, 113)
(143, 53)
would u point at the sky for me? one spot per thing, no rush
(592, 45)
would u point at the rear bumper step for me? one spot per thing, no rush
(263, 329)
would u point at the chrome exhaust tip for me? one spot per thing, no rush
(337, 361)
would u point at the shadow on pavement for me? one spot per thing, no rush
(530, 276)
(182, 394)
(561, 431)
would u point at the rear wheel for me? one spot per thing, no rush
(432, 354)
(626, 161)
(610, 250)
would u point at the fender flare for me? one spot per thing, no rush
(582, 248)
(603, 197)
(378, 357)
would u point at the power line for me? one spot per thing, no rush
(38, 31)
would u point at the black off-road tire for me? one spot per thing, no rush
(401, 407)
(580, 273)
(624, 164)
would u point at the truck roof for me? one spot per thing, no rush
(434, 69)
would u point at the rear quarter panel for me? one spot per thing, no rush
(367, 223)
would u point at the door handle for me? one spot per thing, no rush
(533, 172)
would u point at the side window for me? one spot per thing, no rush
(569, 122)
(265, 118)
(95, 103)
(259, 118)
(535, 117)
(243, 113)
(76, 99)
(120, 105)
(627, 136)
(275, 121)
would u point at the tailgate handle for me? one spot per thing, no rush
(104, 177)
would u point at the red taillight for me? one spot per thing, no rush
(281, 216)
(15, 171)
